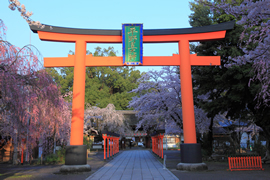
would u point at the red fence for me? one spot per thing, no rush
(245, 163)
(112, 145)
(157, 144)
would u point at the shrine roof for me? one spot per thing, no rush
(146, 32)
(130, 116)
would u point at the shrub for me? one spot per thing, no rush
(58, 157)
(88, 142)
(258, 148)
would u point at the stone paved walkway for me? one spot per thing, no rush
(133, 165)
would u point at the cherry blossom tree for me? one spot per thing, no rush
(158, 101)
(99, 119)
(255, 18)
(31, 107)
(15, 4)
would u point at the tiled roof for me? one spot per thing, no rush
(130, 116)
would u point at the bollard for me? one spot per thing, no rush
(164, 162)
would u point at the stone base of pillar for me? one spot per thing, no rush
(75, 159)
(191, 153)
(191, 166)
(191, 158)
(76, 155)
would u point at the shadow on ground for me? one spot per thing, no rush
(216, 170)
(40, 172)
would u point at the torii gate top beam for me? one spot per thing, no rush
(60, 34)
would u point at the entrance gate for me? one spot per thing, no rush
(190, 150)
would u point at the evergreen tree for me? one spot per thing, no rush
(224, 88)
(103, 85)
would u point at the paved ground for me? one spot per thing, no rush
(133, 165)
(216, 170)
(49, 172)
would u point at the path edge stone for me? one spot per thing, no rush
(100, 169)
(162, 165)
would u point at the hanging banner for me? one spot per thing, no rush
(132, 40)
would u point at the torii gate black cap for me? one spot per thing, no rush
(146, 32)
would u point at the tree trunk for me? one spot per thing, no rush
(180, 139)
(54, 141)
(15, 151)
(54, 145)
(210, 137)
(267, 153)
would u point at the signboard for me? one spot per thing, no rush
(132, 40)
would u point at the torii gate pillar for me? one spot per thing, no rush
(76, 135)
(190, 150)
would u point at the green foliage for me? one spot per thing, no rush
(105, 52)
(87, 141)
(58, 158)
(173, 148)
(16, 176)
(204, 153)
(106, 85)
(227, 86)
(56, 76)
(103, 85)
(205, 145)
(201, 15)
(258, 148)
(51, 158)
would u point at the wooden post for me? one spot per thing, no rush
(162, 136)
(104, 137)
(187, 93)
(22, 155)
(111, 144)
(159, 148)
(108, 148)
(155, 145)
(159, 145)
(117, 145)
(23, 140)
(77, 121)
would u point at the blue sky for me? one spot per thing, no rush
(101, 14)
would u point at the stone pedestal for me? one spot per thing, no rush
(191, 158)
(191, 153)
(76, 159)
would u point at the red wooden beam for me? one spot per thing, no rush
(118, 61)
(62, 37)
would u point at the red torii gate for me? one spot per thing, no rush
(185, 60)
